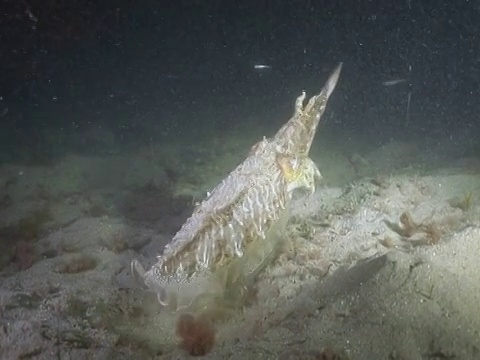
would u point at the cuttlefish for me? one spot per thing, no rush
(236, 230)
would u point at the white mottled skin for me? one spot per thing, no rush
(241, 210)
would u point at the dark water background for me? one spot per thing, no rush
(80, 75)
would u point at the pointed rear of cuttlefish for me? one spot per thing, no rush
(296, 136)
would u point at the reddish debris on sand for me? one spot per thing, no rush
(197, 334)
(24, 256)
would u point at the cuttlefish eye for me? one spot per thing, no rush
(294, 163)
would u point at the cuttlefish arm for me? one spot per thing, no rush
(296, 136)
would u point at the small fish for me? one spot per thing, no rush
(394, 82)
(261, 67)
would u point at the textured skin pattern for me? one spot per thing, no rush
(240, 212)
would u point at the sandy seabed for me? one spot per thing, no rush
(382, 262)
